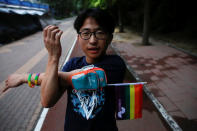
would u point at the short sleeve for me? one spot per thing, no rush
(74, 63)
(68, 66)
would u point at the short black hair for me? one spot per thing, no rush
(104, 19)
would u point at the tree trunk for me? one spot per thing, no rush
(146, 28)
(121, 27)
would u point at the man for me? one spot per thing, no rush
(86, 110)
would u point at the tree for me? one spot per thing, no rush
(146, 27)
(60, 8)
(120, 14)
(103, 4)
(122, 7)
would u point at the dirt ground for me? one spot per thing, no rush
(176, 40)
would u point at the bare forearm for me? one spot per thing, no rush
(50, 86)
(63, 78)
(50, 90)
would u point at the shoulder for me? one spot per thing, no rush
(73, 63)
(112, 62)
(114, 67)
(115, 60)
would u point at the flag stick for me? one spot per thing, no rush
(126, 84)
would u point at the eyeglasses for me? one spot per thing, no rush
(99, 35)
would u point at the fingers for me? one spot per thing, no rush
(52, 32)
(5, 89)
(6, 86)
(45, 31)
(59, 34)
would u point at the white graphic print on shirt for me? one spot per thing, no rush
(88, 103)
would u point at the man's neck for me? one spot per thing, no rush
(94, 61)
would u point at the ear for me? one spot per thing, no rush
(78, 37)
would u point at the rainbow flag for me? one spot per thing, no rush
(129, 101)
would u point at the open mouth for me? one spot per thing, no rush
(93, 50)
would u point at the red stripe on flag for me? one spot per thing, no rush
(138, 101)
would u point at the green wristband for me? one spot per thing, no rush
(36, 78)
(29, 81)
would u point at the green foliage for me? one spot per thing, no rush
(98, 3)
(62, 8)
(103, 4)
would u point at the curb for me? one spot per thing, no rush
(168, 118)
(153, 40)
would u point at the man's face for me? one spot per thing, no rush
(93, 46)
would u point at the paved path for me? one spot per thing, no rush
(20, 108)
(171, 75)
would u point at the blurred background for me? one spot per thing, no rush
(146, 31)
(171, 20)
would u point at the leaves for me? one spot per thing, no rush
(65, 7)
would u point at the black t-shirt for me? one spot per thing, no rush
(94, 110)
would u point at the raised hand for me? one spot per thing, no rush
(52, 35)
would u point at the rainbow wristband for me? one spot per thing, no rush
(29, 81)
(36, 78)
